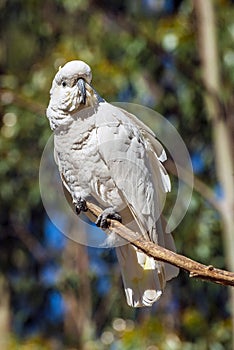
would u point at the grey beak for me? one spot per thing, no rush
(82, 89)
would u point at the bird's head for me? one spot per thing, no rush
(70, 90)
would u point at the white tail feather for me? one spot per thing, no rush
(144, 278)
(142, 281)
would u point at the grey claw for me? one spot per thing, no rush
(81, 206)
(109, 213)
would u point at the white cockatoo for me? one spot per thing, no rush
(107, 155)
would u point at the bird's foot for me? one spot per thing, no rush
(108, 213)
(81, 205)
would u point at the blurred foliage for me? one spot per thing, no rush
(143, 52)
(33, 343)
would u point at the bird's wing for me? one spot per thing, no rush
(66, 188)
(148, 133)
(156, 150)
(134, 166)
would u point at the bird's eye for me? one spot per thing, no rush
(64, 84)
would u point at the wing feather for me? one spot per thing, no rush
(134, 165)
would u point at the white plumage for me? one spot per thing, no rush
(108, 155)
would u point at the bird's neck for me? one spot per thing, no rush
(61, 120)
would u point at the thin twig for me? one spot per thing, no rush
(194, 268)
(199, 186)
(31, 243)
(9, 96)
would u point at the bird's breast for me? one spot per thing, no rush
(83, 167)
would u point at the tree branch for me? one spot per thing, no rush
(194, 268)
(204, 190)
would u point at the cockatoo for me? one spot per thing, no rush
(109, 156)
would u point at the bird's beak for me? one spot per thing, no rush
(82, 89)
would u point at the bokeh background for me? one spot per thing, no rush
(57, 294)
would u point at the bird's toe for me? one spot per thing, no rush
(109, 213)
(81, 205)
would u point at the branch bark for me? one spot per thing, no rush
(194, 268)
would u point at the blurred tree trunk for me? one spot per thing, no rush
(207, 40)
(5, 313)
(78, 325)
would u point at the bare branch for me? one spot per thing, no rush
(9, 96)
(194, 268)
(204, 190)
(32, 244)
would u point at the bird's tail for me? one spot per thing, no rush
(144, 278)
